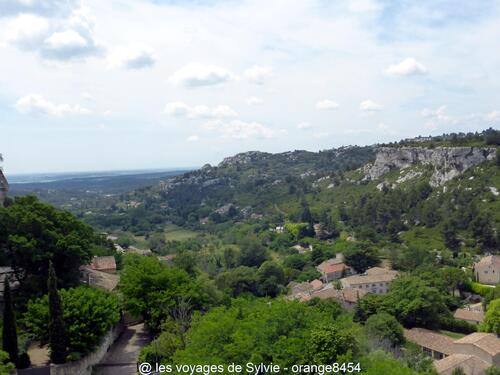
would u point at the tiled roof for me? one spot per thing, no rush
(489, 260)
(372, 275)
(349, 295)
(464, 361)
(487, 342)
(103, 263)
(430, 340)
(331, 266)
(467, 314)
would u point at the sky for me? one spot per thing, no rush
(91, 85)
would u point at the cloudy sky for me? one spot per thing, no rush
(128, 84)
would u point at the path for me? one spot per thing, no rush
(121, 359)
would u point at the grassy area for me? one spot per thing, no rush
(176, 233)
(453, 335)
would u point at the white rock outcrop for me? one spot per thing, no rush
(448, 162)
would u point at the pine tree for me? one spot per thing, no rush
(57, 334)
(9, 334)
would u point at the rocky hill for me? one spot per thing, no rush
(447, 162)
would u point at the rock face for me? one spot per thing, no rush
(448, 162)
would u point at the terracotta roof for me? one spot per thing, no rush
(103, 263)
(100, 279)
(316, 284)
(464, 361)
(487, 342)
(430, 340)
(467, 314)
(331, 266)
(372, 275)
(489, 260)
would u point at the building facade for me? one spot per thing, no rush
(375, 280)
(487, 270)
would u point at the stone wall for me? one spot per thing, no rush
(84, 365)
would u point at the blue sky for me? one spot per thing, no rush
(129, 84)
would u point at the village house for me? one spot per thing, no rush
(103, 264)
(473, 353)
(375, 280)
(334, 269)
(346, 297)
(487, 270)
(469, 314)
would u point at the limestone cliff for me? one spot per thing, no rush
(4, 187)
(448, 162)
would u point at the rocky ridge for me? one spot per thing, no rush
(448, 162)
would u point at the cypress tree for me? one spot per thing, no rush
(9, 331)
(57, 334)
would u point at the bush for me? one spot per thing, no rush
(455, 325)
(88, 315)
(480, 289)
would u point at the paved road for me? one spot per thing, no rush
(121, 359)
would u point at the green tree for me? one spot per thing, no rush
(328, 342)
(9, 328)
(379, 362)
(5, 366)
(415, 303)
(367, 306)
(253, 254)
(458, 371)
(361, 257)
(56, 329)
(88, 314)
(386, 328)
(491, 322)
(153, 290)
(238, 281)
(271, 278)
(493, 370)
(33, 233)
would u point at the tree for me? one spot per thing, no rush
(56, 329)
(367, 306)
(379, 362)
(5, 366)
(33, 233)
(415, 303)
(385, 328)
(458, 371)
(238, 281)
(327, 343)
(493, 370)
(9, 329)
(491, 322)
(271, 278)
(88, 314)
(152, 289)
(361, 257)
(253, 254)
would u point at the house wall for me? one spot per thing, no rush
(376, 288)
(488, 274)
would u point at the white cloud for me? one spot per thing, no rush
(320, 135)
(132, 58)
(254, 101)
(27, 30)
(196, 75)
(257, 74)
(407, 67)
(237, 129)
(180, 109)
(369, 105)
(76, 40)
(37, 105)
(87, 96)
(193, 138)
(304, 126)
(436, 117)
(326, 104)
(493, 116)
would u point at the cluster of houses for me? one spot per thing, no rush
(473, 353)
(340, 282)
